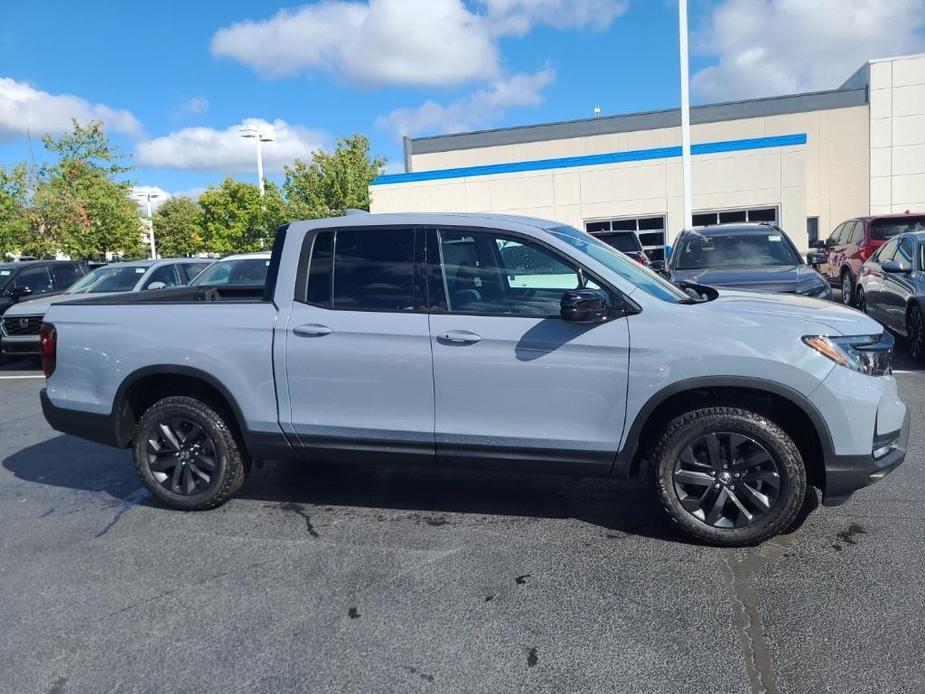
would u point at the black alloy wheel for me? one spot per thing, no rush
(181, 456)
(726, 480)
(860, 300)
(916, 332)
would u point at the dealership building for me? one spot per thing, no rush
(806, 161)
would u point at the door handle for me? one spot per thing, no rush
(459, 337)
(312, 330)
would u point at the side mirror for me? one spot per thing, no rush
(20, 293)
(157, 285)
(584, 306)
(657, 266)
(815, 258)
(818, 243)
(893, 267)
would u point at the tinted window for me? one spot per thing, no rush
(166, 274)
(35, 278)
(374, 270)
(628, 243)
(857, 233)
(887, 251)
(835, 237)
(496, 274)
(881, 229)
(65, 275)
(189, 270)
(698, 251)
(905, 253)
(319, 272)
(242, 272)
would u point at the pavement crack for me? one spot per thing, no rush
(128, 503)
(299, 510)
(739, 577)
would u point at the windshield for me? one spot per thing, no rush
(626, 242)
(241, 272)
(699, 252)
(623, 265)
(882, 229)
(121, 278)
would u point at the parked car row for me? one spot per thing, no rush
(21, 322)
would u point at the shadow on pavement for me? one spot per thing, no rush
(622, 506)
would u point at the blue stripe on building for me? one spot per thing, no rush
(595, 159)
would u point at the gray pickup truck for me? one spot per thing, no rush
(484, 340)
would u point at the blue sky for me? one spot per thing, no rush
(174, 81)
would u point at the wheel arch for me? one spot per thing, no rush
(786, 406)
(145, 386)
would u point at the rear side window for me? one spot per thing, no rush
(189, 270)
(363, 270)
(65, 275)
(857, 233)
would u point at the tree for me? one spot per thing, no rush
(79, 206)
(332, 183)
(177, 228)
(235, 218)
(14, 211)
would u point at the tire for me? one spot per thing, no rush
(196, 463)
(847, 288)
(915, 330)
(684, 467)
(860, 299)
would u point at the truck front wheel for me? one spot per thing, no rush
(187, 455)
(728, 476)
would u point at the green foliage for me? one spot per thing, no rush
(332, 183)
(78, 206)
(235, 218)
(177, 229)
(14, 210)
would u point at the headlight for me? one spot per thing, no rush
(867, 354)
(816, 288)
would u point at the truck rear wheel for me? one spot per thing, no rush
(187, 455)
(728, 476)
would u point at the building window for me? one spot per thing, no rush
(812, 229)
(755, 214)
(649, 230)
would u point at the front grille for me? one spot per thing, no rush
(22, 325)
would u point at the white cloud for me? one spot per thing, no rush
(192, 107)
(767, 47)
(208, 149)
(25, 109)
(399, 42)
(475, 110)
(191, 193)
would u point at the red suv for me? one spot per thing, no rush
(854, 241)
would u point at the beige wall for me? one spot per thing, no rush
(827, 178)
(897, 134)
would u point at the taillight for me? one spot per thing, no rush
(642, 259)
(865, 252)
(48, 341)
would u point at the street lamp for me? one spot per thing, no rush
(148, 197)
(259, 136)
(685, 117)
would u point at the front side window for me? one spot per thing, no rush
(905, 253)
(699, 251)
(835, 237)
(35, 278)
(497, 274)
(363, 270)
(165, 274)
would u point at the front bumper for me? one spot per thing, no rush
(27, 345)
(845, 474)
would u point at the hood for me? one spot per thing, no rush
(772, 278)
(821, 317)
(37, 307)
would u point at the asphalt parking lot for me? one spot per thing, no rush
(390, 579)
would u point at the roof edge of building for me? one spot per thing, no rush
(844, 97)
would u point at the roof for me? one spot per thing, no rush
(844, 97)
(735, 228)
(897, 215)
(27, 263)
(472, 219)
(261, 255)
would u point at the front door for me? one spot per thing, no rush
(512, 380)
(897, 287)
(357, 352)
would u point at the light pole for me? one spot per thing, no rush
(685, 117)
(147, 197)
(260, 136)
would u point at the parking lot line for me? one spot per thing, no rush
(20, 377)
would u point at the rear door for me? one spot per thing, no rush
(512, 379)
(357, 351)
